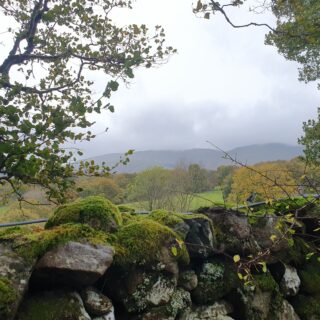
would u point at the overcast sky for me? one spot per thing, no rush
(224, 85)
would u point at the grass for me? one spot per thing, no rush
(207, 199)
(204, 199)
(13, 212)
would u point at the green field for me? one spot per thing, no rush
(207, 199)
(204, 199)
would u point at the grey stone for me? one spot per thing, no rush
(95, 302)
(76, 264)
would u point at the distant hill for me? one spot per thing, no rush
(207, 158)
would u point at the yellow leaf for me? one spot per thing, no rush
(174, 251)
(240, 276)
(273, 237)
(180, 243)
(264, 266)
(236, 258)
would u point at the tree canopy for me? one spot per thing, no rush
(46, 87)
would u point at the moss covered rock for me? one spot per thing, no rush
(125, 209)
(310, 276)
(32, 243)
(215, 280)
(260, 301)
(148, 243)
(53, 306)
(307, 307)
(98, 212)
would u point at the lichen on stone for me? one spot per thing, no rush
(180, 300)
(97, 212)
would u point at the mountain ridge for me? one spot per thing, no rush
(208, 158)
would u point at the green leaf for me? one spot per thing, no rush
(113, 85)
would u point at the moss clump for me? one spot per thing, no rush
(126, 209)
(141, 243)
(50, 306)
(177, 221)
(310, 276)
(32, 243)
(165, 217)
(98, 212)
(8, 297)
(307, 307)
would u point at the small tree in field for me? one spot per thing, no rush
(46, 86)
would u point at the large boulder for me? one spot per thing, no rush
(14, 278)
(97, 212)
(230, 221)
(233, 231)
(55, 305)
(73, 264)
